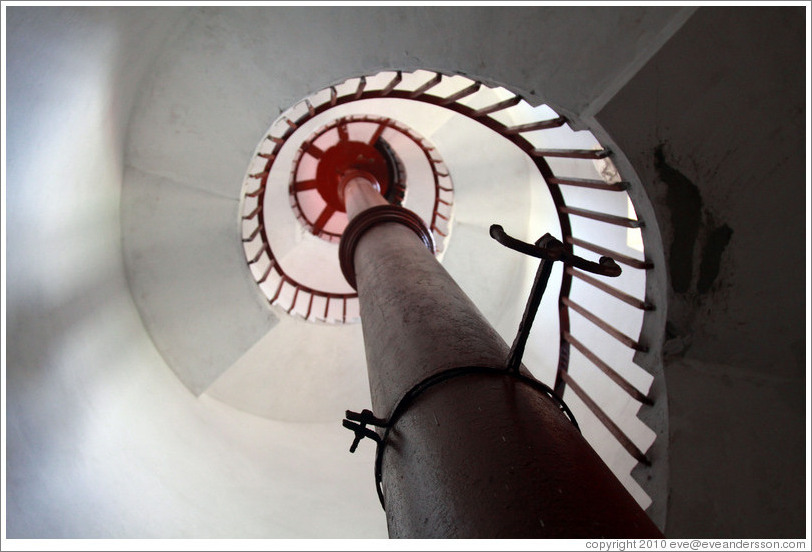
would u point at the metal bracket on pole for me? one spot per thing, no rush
(549, 250)
(360, 429)
(367, 417)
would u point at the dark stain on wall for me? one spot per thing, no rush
(685, 203)
(689, 221)
(712, 257)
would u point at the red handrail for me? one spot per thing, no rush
(515, 135)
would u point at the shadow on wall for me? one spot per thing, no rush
(695, 233)
(714, 125)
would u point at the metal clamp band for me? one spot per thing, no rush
(367, 417)
(372, 217)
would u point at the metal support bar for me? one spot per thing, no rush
(572, 153)
(589, 183)
(533, 302)
(504, 104)
(362, 83)
(253, 234)
(392, 84)
(549, 250)
(613, 291)
(434, 81)
(605, 326)
(602, 217)
(621, 437)
(619, 257)
(538, 125)
(472, 89)
(606, 369)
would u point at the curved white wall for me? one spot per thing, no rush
(102, 439)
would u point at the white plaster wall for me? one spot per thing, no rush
(102, 439)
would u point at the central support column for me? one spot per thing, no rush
(482, 455)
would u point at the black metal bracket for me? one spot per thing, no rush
(548, 249)
(360, 429)
(367, 417)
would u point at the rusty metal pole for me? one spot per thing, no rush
(480, 455)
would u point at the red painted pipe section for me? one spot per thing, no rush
(476, 456)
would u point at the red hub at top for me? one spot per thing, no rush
(344, 158)
(328, 157)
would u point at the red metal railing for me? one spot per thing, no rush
(455, 100)
(255, 237)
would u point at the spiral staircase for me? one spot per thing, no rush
(584, 177)
(205, 380)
